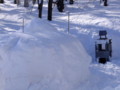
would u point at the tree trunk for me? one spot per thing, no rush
(1, 1)
(40, 8)
(71, 2)
(26, 3)
(50, 10)
(17, 2)
(34, 1)
(105, 3)
(60, 5)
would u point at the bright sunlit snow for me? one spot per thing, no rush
(36, 60)
(36, 54)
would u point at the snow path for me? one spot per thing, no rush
(12, 19)
(85, 23)
(5, 19)
(106, 75)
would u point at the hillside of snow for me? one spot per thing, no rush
(35, 60)
(36, 54)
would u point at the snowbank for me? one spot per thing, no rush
(42, 58)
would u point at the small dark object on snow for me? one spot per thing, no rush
(103, 48)
(102, 60)
(103, 34)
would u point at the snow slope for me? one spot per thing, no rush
(87, 17)
(42, 58)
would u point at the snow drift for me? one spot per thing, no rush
(42, 58)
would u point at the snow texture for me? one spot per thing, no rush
(42, 58)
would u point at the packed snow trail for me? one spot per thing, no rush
(12, 16)
(86, 23)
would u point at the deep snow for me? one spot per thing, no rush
(35, 60)
(86, 19)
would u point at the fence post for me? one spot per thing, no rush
(23, 25)
(68, 22)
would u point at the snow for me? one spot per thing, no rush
(36, 60)
(38, 55)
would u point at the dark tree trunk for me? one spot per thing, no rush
(26, 3)
(105, 3)
(17, 2)
(1, 1)
(40, 5)
(50, 10)
(60, 5)
(71, 2)
(34, 1)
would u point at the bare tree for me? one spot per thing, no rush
(50, 10)
(40, 5)
(71, 1)
(26, 3)
(60, 5)
(17, 2)
(105, 3)
(34, 1)
(1, 1)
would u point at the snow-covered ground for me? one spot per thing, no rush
(35, 60)
(64, 62)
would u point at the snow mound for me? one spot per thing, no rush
(42, 58)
